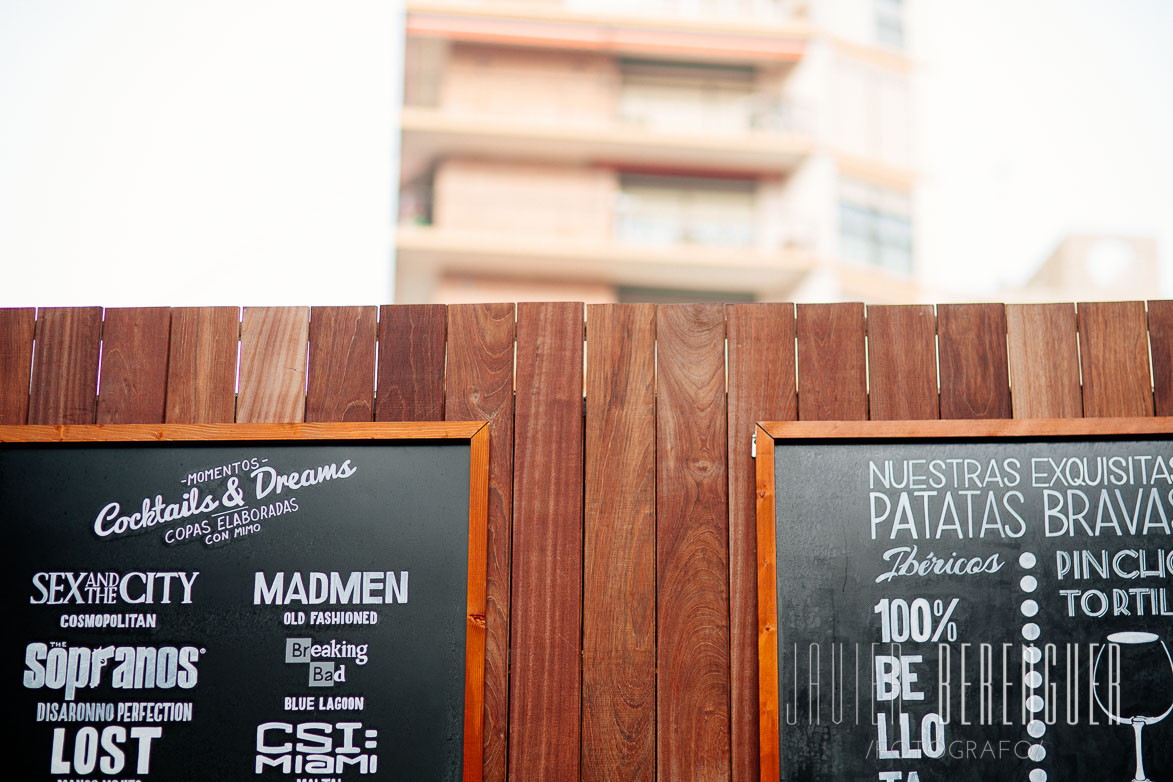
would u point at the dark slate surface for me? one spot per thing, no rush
(405, 508)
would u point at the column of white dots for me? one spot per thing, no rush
(1033, 679)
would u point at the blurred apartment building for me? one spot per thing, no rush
(1093, 267)
(657, 150)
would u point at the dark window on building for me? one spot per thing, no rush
(875, 227)
(890, 23)
(630, 294)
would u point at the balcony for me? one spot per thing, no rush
(652, 232)
(719, 30)
(709, 10)
(431, 134)
(491, 102)
(428, 249)
(477, 98)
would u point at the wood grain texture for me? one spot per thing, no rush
(341, 385)
(1114, 356)
(201, 368)
(474, 644)
(411, 362)
(902, 362)
(762, 387)
(1044, 361)
(65, 365)
(1161, 347)
(1032, 428)
(546, 628)
(133, 387)
(17, 328)
(832, 366)
(432, 430)
(975, 375)
(272, 364)
(478, 385)
(770, 758)
(692, 545)
(619, 568)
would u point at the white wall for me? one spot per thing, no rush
(871, 112)
(851, 19)
(212, 152)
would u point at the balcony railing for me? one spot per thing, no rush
(658, 230)
(755, 112)
(712, 9)
(634, 224)
(729, 10)
(716, 10)
(570, 101)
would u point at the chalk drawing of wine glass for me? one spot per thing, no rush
(1139, 651)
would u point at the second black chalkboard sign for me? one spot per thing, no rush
(966, 600)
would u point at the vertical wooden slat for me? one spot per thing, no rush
(478, 386)
(17, 327)
(1044, 361)
(1161, 344)
(133, 388)
(546, 630)
(832, 370)
(1114, 356)
(619, 571)
(761, 388)
(975, 379)
(411, 362)
(692, 545)
(902, 362)
(273, 364)
(341, 383)
(65, 365)
(201, 367)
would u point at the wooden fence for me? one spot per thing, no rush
(622, 610)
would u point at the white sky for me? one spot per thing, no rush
(1040, 118)
(243, 151)
(197, 151)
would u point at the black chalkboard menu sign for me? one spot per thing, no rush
(966, 600)
(227, 602)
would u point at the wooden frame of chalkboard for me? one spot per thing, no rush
(769, 435)
(475, 433)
